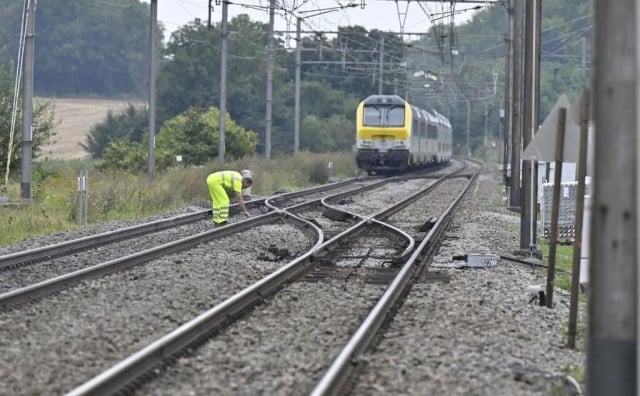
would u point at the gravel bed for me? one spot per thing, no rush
(30, 274)
(281, 349)
(476, 334)
(370, 202)
(287, 202)
(59, 342)
(427, 206)
(330, 228)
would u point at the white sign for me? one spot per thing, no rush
(543, 145)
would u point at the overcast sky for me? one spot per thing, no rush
(406, 16)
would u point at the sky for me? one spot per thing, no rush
(403, 16)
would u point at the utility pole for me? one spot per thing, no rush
(27, 105)
(296, 110)
(528, 213)
(223, 80)
(516, 111)
(612, 349)
(267, 131)
(381, 76)
(508, 92)
(153, 39)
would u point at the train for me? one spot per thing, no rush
(395, 136)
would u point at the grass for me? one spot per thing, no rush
(124, 196)
(564, 263)
(562, 280)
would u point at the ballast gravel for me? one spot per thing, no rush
(463, 332)
(476, 332)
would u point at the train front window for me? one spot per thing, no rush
(372, 116)
(395, 116)
(383, 116)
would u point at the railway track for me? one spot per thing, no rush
(354, 230)
(28, 267)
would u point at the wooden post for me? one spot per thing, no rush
(577, 245)
(555, 205)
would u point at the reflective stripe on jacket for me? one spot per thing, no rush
(229, 180)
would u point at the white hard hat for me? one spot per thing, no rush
(246, 174)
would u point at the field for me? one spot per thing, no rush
(75, 118)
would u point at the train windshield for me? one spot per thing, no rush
(384, 116)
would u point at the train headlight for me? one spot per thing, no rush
(399, 143)
(366, 143)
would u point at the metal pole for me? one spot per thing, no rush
(508, 92)
(528, 214)
(83, 197)
(80, 198)
(535, 111)
(381, 73)
(613, 278)
(27, 105)
(223, 81)
(555, 205)
(267, 133)
(86, 198)
(296, 110)
(468, 128)
(516, 111)
(577, 244)
(584, 61)
(153, 34)
(486, 126)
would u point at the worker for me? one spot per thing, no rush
(222, 185)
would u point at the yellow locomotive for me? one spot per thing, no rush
(394, 136)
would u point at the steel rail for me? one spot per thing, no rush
(342, 367)
(71, 246)
(388, 212)
(269, 202)
(138, 363)
(20, 295)
(67, 247)
(129, 369)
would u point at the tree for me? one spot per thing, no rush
(43, 122)
(125, 155)
(83, 46)
(131, 125)
(336, 133)
(194, 135)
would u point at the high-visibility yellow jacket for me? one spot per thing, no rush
(229, 180)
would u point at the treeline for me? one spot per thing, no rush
(87, 47)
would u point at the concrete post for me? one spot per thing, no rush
(223, 81)
(613, 310)
(27, 103)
